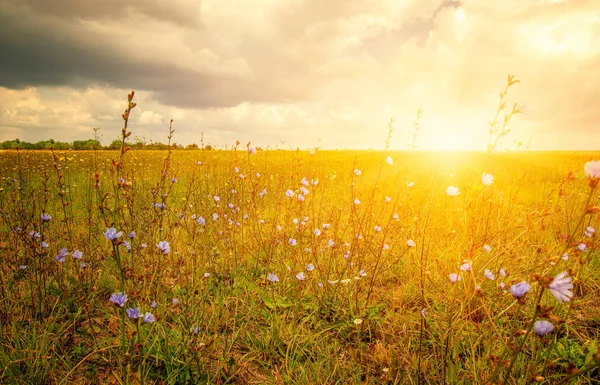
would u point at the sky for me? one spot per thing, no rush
(302, 73)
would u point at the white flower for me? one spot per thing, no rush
(592, 169)
(292, 242)
(487, 179)
(356, 201)
(410, 184)
(454, 277)
(411, 243)
(388, 199)
(289, 193)
(389, 160)
(466, 266)
(561, 287)
(317, 232)
(452, 191)
(357, 172)
(487, 248)
(489, 275)
(357, 321)
(310, 267)
(581, 247)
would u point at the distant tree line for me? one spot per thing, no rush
(92, 144)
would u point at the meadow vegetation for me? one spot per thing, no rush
(298, 267)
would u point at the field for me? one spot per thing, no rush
(298, 267)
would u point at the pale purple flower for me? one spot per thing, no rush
(592, 169)
(292, 242)
(542, 327)
(131, 234)
(126, 245)
(582, 247)
(300, 276)
(487, 179)
(362, 273)
(175, 301)
(164, 247)
(310, 267)
(289, 193)
(454, 277)
(77, 254)
(487, 248)
(357, 172)
(330, 243)
(561, 287)
(133, 313)
(23, 267)
(201, 221)
(251, 150)
(111, 234)
(143, 245)
(154, 305)
(502, 272)
(411, 243)
(273, 277)
(61, 255)
(520, 289)
(206, 275)
(489, 275)
(34, 234)
(118, 299)
(300, 197)
(317, 232)
(452, 191)
(45, 245)
(148, 318)
(216, 198)
(466, 266)
(46, 217)
(174, 180)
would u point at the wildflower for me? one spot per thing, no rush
(301, 197)
(357, 321)
(561, 287)
(77, 254)
(388, 199)
(195, 330)
(216, 198)
(357, 172)
(23, 267)
(590, 230)
(411, 243)
(454, 277)
(118, 299)
(292, 242)
(326, 226)
(263, 193)
(356, 201)
(410, 184)
(386, 246)
(251, 150)
(520, 289)
(300, 276)
(452, 191)
(148, 318)
(272, 277)
(304, 190)
(154, 305)
(143, 245)
(46, 217)
(489, 275)
(164, 247)
(423, 312)
(201, 221)
(487, 179)
(592, 169)
(289, 193)
(111, 234)
(45, 245)
(320, 285)
(61, 255)
(466, 266)
(362, 273)
(174, 180)
(304, 182)
(565, 257)
(502, 285)
(126, 245)
(502, 272)
(582, 247)
(159, 205)
(131, 234)
(133, 313)
(487, 248)
(317, 232)
(34, 234)
(310, 267)
(377, 229)
(542, 327)
(175, 301)
(206, 275)
(330, 243)
(389, 160)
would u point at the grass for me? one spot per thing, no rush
(357, 317)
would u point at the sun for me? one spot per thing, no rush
(460, 15)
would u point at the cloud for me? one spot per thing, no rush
(305, 72)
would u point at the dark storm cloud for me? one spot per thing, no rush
(46, 45)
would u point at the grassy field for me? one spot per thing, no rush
(290, 267)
